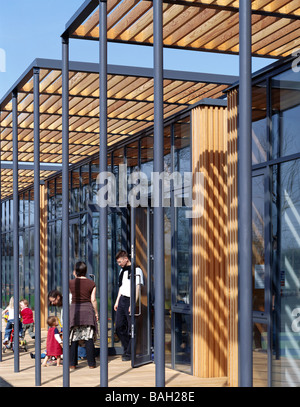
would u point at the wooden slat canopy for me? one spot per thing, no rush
(207, 25)
(130, 110)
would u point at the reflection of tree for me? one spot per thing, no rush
(287, 200)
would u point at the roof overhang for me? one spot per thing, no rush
(194, 24)
(130, 110)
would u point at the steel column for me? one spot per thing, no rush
(245, 197)
(65, 208)
(15, 228)
(158, 219)
(37, 248)
(1, 269)
(103, 210)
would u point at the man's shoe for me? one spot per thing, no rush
(126, 358)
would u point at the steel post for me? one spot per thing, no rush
(65, 208)
(103, 210)
(37, 248)
(1, 271)
(245, 197)
(15, 229)
(158, 219)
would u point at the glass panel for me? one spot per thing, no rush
(94, 175)
(58, 197)
(31, 269)
(85, 177)
(258, 245)
(21, 211)
(285, 114)
(118, 159)
(132, 160)
(142, 323)
(75, 191)
(57, 254)
(286, 274)
(259, 123)
(182, 257)
(183, 342)
(147, 157)
(260, 356)
(182, 154)
(26, 263)
(51, 200)
(83, 239)
(21, 267)
(168, 313)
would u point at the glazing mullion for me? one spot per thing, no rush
(268, 235)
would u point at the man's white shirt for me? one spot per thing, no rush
(125, 287)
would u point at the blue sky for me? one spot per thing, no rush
(31, 29)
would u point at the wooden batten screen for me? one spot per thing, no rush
(211, 243)
(43, 254)
(232, 244)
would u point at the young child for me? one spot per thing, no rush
(54, 342)
(27, 319)
(10, 320)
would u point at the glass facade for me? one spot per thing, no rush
(26, 248)
(276, 228)
(133, 156)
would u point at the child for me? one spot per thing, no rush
(54, 342)
(10, 320)
(27, 319)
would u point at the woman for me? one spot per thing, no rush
(83, 315)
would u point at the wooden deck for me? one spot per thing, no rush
(120, 374)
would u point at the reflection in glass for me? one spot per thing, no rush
(182, 258)
(285, 114)
(259, 123)
(260, 357)
(286, 274)
(258, 245)
(168, 314)
(183, 342)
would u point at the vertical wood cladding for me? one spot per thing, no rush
(213, 242)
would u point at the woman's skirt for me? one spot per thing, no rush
(83, 324)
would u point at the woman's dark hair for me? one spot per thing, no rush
(80, 269)
(55, 294)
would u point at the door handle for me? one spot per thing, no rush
(140, 296)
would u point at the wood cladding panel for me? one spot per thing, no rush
(210, 280)
(43, 256)
(232, 239)
(215, 302)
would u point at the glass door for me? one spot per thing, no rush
(74, 242)
(261, 272)
(141, 223)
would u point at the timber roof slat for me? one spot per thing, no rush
(198, 24)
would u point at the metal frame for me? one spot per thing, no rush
(15, 229)
(245, 199)
(103, 213)
(37, 245)
(65, 205)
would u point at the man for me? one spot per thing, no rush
(122, 304)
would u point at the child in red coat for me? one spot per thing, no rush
(54, 342)
(27, 318)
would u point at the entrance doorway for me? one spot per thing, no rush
(129, 229)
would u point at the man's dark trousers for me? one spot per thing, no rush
(123, 323)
